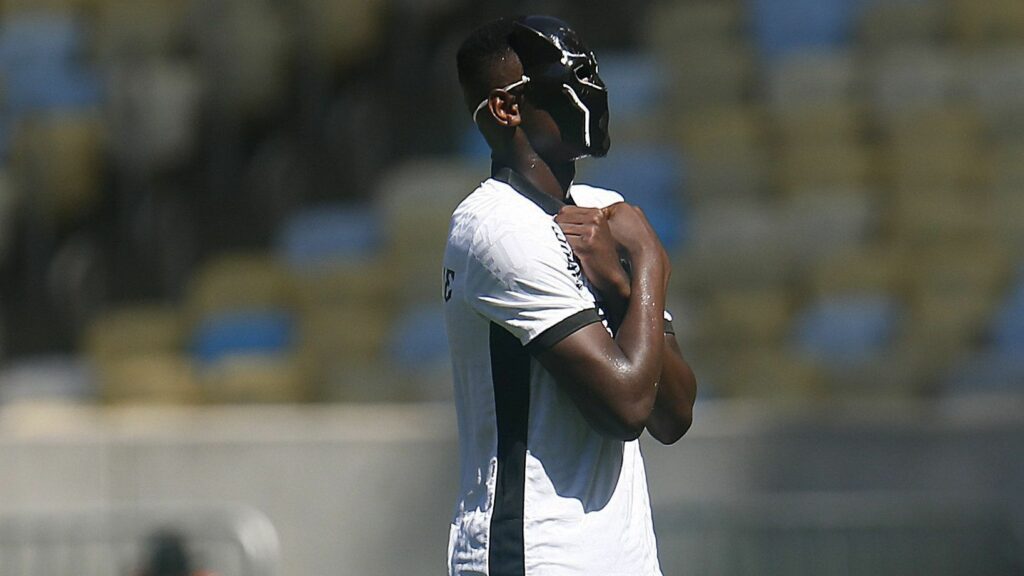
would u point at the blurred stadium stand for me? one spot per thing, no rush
(245, 201)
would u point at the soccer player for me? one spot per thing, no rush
(562, 356)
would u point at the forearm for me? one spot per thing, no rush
(641, 329)
(672, 414)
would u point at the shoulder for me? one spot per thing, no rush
(495, 214)
(589, 196)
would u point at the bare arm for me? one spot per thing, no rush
(677, 391)
(592, 242)
(614, 382)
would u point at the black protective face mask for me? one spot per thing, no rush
(564, 79)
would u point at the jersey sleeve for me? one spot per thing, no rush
(525, 279)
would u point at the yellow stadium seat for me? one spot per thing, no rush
(134, 329)
(924, 217)
(708, 74)
(670, 23)
(723, 147)
(910, 78)
(810, 78)
(987, 23)
(837, 122)
(737, 317)
(60, 158)
(148, 377)
(966, 268)
(824, 165)
(341, 32)
(255, 379)
(417, 199)
(143, 27)
(239, 281)
(884, 25)
(863, 270)
(770, 374)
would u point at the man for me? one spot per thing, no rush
(561, 357)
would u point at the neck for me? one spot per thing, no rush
(551, 179)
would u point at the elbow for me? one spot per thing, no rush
(677, 430)
(631, 418)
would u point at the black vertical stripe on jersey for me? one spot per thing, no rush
(510, 375)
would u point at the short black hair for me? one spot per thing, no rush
(478, 54)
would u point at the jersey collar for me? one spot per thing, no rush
(548, 203)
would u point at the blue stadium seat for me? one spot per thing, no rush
(30, 38)
(784, 26)
(988, 372)
(38, 61)
(636, 84)
(245, 332)
(650, 177)
(329, 233)
(419, 338)
(847, 329)
(1008, 325)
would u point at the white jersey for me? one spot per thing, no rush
(541, 492)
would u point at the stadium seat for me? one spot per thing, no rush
(38, 54)
(250, 56)
(836, 122)
(942, 165)
(341, 32)
(145, 28)
(812, 78)
(56, 378)
(415, 200)
(637, 83)
(985, 373)
(418, 350)
(149, 378)
(667, 24)
(734, 244)
(707, 74)
(785, 26)
(134, 329)
(650, 177)
(887, 24)
(856, 271)
(243, 333)
(238, 281)
(993, 83)
(820, 225)
(770, 374)
(909, 79)
(989, 23)
(1007, 329)
(322, 235)
(255, 379)
(723, 153)
(969, 267)
(740, 318)
(824, 165)
(844, 330)
(419, 338)
(60, 155)
(922, 217)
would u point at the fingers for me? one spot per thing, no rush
(580, 215)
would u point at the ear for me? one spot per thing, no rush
(504, 108)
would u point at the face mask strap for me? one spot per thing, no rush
(522, 81)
